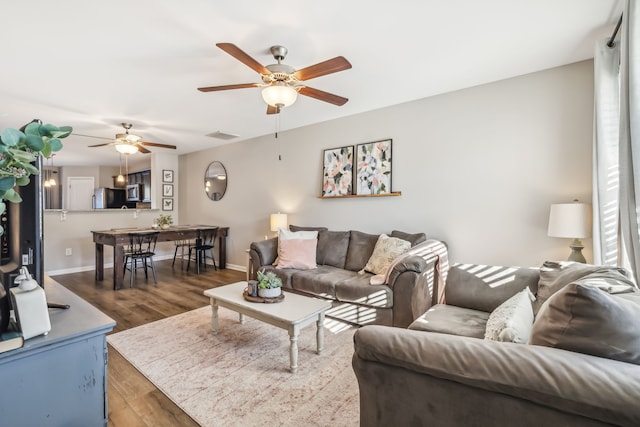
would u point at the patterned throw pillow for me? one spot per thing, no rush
(512, 320)
(386, 250)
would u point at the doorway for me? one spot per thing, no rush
(80, 193)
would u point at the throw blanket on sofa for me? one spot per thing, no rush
(426, 250)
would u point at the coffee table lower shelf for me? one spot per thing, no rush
(292, 314)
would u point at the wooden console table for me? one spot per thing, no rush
(120, 237)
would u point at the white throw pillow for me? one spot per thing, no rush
(512, 320)
(386, 250)
(301, 235)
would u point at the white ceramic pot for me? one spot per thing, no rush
(165, 226)
(269, 292)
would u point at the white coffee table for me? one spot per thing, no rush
(293, 313)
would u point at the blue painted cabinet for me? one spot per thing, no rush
(59, 379)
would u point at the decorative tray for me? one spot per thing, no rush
(262, 299)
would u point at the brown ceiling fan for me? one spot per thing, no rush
(128, 143)
(281, 83)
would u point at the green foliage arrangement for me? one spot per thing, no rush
(165, 220)
(268, 280)
(18, 150)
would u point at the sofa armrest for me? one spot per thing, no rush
(462, 380)
(261, 253)
(412, 282)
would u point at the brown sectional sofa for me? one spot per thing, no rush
(580, 366)
(339, 257)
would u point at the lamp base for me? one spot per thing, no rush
(576, 252)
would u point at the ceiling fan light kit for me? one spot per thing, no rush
(126, 148)
(279, 95)
(281, 83)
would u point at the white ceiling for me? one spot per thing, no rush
(94, 64)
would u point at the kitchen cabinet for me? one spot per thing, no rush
(144, 178)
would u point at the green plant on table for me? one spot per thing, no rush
(18, 150)
(165, 220)
(268, 280)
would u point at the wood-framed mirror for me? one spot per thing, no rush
(215, 181)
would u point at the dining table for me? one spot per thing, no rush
(119, 238)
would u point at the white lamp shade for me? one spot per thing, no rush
(126, 148)
(279, 95)
(278, 220)
(570, 220)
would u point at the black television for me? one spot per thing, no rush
(21, 242)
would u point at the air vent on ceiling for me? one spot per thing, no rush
(222, 135)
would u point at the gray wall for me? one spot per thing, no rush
(477, 168)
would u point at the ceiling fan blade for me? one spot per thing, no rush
(100, 145)
(142, 149)
(154, 144)
(242, 56)
(227, 87)
(323, 96)
(339, 63)
(272, 110)
(92, 136)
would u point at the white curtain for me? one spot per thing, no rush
(617, 148)
(630, 136)
(606, 187)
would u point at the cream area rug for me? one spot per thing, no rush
(241, 377)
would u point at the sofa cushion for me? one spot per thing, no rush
(512, 320)
(556, 275)
(386, 250)
(449, 319)
(297, 253)
(320, 281)
(332, 248)
(299, 228)
(357, 289)
(415, 239)
(586, 319)
(482, 287)
(360, 249)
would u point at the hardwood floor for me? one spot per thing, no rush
(133, 400)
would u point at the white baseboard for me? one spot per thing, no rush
(235, 267)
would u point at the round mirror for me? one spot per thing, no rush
(215, 181)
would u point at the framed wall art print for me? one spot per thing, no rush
(337, 172)
(373, 168)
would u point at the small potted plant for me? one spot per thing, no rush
(269, 285)
(164, 221)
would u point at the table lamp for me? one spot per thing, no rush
(277, 221)
(573, 221)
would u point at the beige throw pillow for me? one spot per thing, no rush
(386, 250)
(512, 320)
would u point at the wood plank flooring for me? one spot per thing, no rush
(133, 400)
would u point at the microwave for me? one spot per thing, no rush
(134, 193)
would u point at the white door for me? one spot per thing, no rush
(80, 193)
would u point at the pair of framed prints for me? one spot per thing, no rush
(360, 170)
